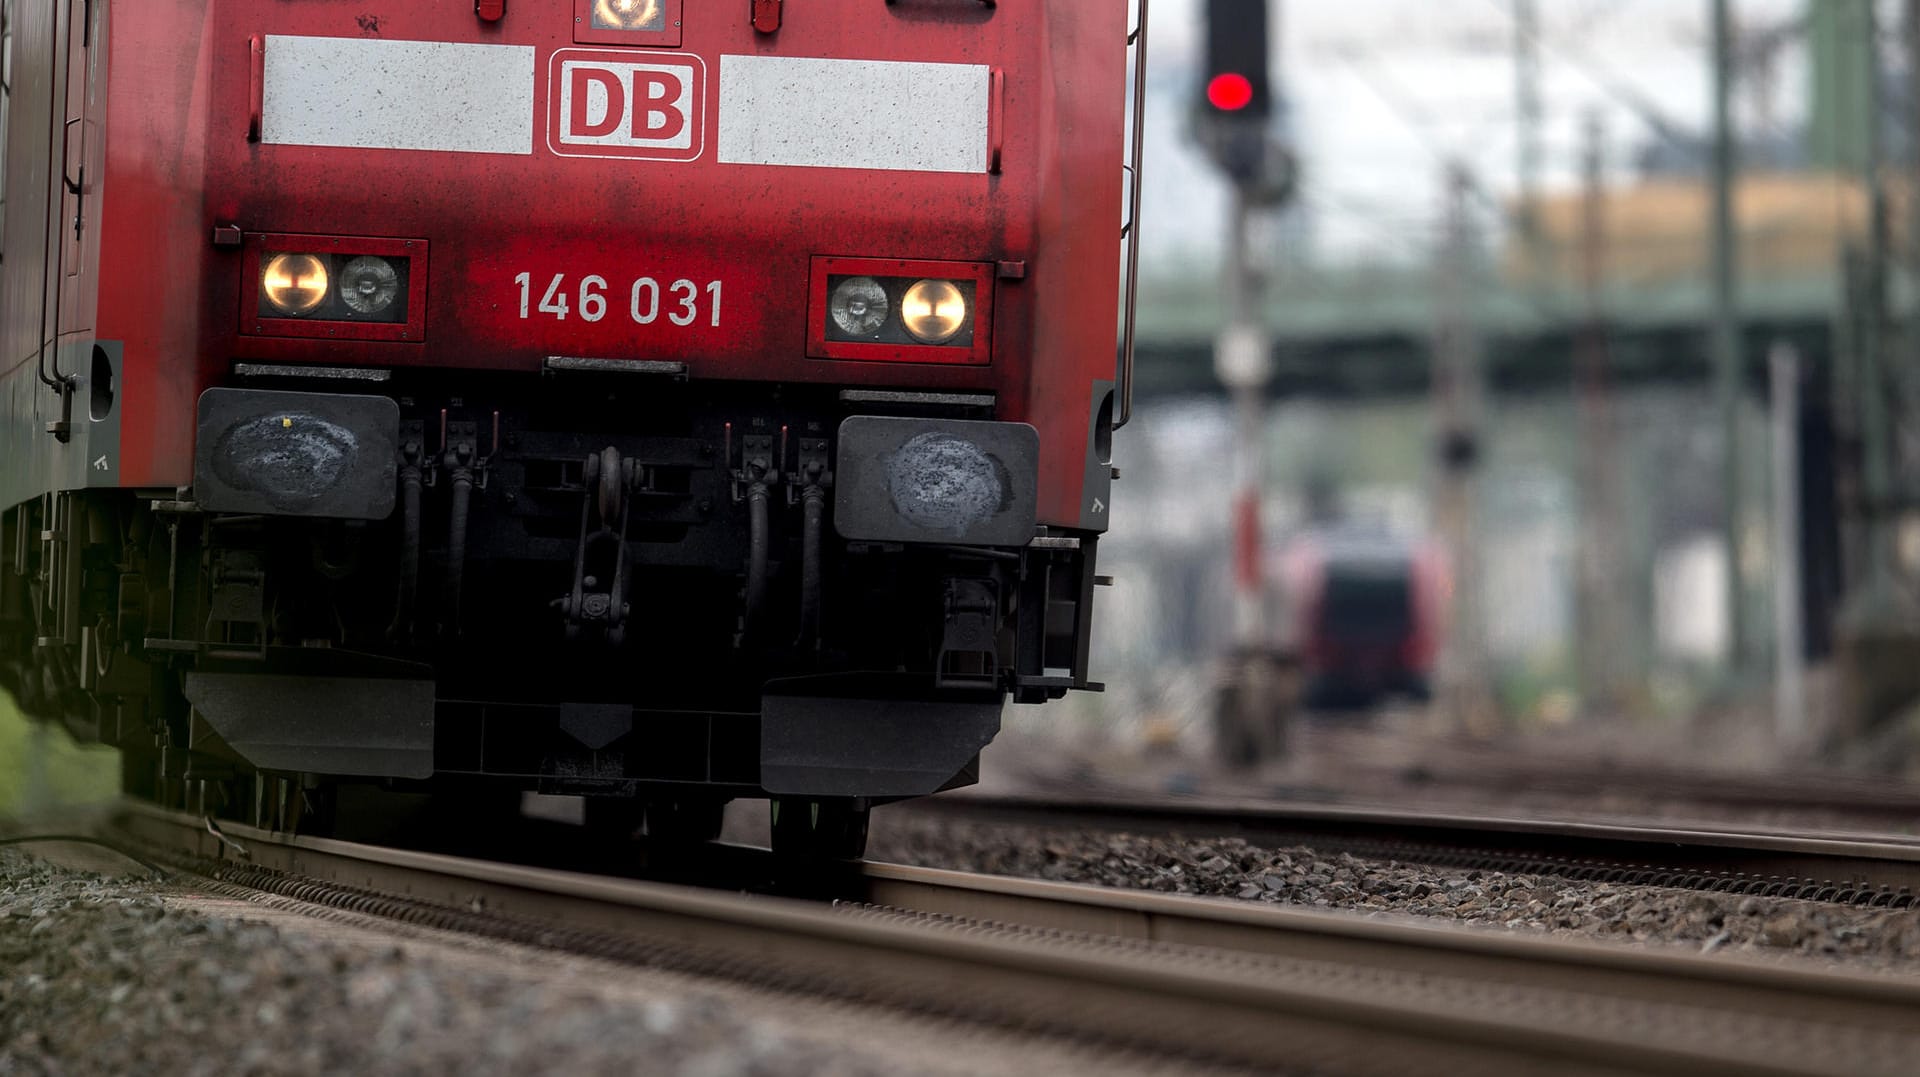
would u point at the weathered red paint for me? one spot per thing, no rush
(158, 268)
(178, 104)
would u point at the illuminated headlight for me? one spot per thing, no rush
(934, 310)
(294, 284)
(858, 306)
(627, 15)
(369, 284)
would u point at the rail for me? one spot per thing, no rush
(1188, 978)
(1849, 870)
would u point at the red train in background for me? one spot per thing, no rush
(1368, 613)
(661, 401)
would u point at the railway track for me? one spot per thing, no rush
(1207, 981)
(1393, 753)
(1847, 870)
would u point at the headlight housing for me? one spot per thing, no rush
(901, 310)
(344, 286)
(920, 311)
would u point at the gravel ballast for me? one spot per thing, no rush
(1235, 868)
(102, 975)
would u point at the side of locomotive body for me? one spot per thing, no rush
(652, 400)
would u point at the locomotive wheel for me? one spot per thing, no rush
(811, 831)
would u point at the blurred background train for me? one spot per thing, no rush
(654, 401)
(1359, 610)
(1367, 612)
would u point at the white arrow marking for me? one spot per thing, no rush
(101, 464)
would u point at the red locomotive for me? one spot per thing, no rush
(661, 401)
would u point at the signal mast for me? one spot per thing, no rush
(1232, 119)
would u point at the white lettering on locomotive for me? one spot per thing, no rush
(642, 105)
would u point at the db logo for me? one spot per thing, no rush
(646, 105)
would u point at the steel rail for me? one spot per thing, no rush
(1849, 870)
(1894, 802)
(1208, 980)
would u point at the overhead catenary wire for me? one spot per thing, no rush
(1621, 89)
(1400, 101)
(1615, 87)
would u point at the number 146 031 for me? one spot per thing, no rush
(683, 302)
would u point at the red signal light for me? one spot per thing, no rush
(1229, 92)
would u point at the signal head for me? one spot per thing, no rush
(1234, 78)
(1229, 91)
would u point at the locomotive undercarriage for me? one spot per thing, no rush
(618, 586)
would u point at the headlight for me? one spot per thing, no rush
(626, 15)
(858, 306)
(933, 310)
(369, 284)
(296, 284)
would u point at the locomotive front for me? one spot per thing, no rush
(651, 400)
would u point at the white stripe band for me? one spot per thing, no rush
(791, 110)
(367, 93)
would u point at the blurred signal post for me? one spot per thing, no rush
(1232, 122)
